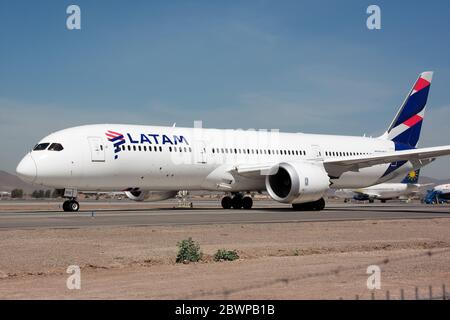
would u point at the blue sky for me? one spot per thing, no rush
(289, 65)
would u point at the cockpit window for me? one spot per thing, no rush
(41, 146)
(55, 147)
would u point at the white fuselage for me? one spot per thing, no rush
(172, 158)
(444, 188)
(382, 191)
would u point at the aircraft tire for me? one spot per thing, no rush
(66, 205)
(236, 202)
(73, 206)
(319, 205)
(310, 206)
(226, 202)
(247, 202)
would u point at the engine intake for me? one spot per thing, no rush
(297, 182)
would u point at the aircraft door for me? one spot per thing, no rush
(97, 149)
(316, 152)
(200, 152)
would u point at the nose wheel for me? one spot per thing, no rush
(71, 206)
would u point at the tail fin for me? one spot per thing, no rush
(411, 177)
(405, 128)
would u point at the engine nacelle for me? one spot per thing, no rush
(150, 195)
(297, 182)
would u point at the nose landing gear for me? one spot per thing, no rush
(72, 204)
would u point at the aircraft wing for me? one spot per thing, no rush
(335, 167)
(423, 185)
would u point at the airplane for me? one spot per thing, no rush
(5, 194)
(153, 162)
(439, 194)
(385, 191)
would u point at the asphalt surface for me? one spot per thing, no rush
(208, 212)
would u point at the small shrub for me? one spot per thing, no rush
(226, 255)
(189, 251)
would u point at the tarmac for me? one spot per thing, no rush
(209, 212)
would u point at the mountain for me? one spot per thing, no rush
(436, 182)
(10, 181)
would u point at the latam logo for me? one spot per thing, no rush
(118, 139)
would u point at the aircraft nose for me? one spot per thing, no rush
(26, 170)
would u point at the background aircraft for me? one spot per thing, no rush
(385, 191)
(439, 194)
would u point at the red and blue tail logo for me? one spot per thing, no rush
(405, 129)
(117, 139)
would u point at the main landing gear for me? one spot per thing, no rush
(310, 206)
(72, 204)
(238, 201)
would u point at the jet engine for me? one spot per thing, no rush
(297, 182)
(143, 195)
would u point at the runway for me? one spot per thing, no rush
(207, 212)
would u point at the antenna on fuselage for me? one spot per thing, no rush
(174, 124)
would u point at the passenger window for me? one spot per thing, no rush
(55, 147)
(41, 146)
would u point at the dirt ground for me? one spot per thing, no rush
(318, 260)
